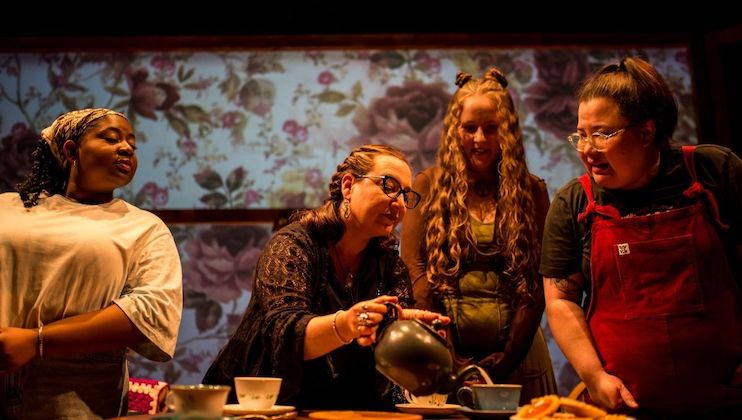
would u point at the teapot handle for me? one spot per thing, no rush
(456, 381)
(393, 312)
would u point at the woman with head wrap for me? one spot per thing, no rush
(84, 275)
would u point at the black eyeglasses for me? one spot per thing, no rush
(393, 189)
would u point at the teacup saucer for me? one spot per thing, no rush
(486, 414)
(236, 409)
(424, 410)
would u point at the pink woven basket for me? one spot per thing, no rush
(147, 396)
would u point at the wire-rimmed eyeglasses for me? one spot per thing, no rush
(393, 189)
(599, 141)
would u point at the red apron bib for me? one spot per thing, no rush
(664, 309)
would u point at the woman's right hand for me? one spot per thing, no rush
(18, 346)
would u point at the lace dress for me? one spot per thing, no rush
(295, 282)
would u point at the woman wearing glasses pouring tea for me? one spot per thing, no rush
(641, 256)
(320, 290)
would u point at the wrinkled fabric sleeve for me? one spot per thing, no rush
(412, 245)
(153, 295)
(285, 274)
(562, 247)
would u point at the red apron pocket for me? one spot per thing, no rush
(659, 277)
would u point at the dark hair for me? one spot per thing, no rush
(325, 219)
(640, 93)
(46, 175)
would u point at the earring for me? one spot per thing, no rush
(499, 168)
(74, 163)
(346, 208)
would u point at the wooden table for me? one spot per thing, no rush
(304, 415)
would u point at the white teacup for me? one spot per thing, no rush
(200, 400)
(257, 393)
(432, 400)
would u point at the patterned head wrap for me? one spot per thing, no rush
(71, 126)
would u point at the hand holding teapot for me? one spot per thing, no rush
(415, 356)
(361, 321)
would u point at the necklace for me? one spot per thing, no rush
(346, 276)
(482, 203)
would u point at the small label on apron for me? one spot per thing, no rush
(623, 249)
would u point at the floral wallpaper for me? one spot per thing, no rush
(218, 262)
(265, 129)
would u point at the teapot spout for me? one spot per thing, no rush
(456, 381)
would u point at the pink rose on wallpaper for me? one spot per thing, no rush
(229, 119)
(301, 135)
(252, 197)
(298, 133)
(427, 63)
(214, 270)
(188, 146)
(326, 78)
(157, 196)
(163, 64)
(552, 97)
(409, 117)
(15, 159)
(290, 126)
(221, 261)
(149, 96)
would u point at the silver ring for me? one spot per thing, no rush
(362, 319)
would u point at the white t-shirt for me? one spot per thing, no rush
(61, 258)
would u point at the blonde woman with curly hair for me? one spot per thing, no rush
(472, 246)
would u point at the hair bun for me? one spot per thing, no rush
(496, 74)
(462, 78)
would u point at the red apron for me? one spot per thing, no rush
(664, 309)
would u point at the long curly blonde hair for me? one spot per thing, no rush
(449, 239)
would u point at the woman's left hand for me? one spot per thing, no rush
(425, 316)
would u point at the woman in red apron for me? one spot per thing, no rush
(648, 240)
